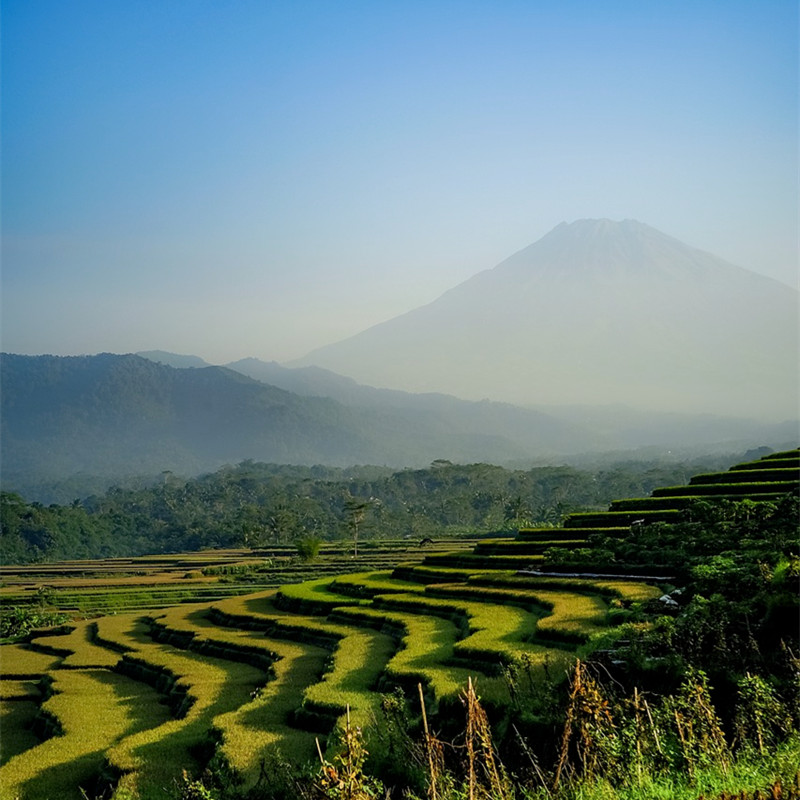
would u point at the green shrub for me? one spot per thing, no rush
(308, 547)
(19, 621)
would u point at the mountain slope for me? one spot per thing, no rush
(596, 312)
(116, 415)
(531, 430)
(125, 414)
(542, 431)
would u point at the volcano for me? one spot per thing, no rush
(596, 312)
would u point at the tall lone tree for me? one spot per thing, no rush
(356, 510)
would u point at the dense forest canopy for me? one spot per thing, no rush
(254, 504)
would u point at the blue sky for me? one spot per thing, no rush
(242, 178)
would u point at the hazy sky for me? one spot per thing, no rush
(260, 178)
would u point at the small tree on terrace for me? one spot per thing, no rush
(356, 510)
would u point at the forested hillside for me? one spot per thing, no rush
(73, 426)
(114, 416)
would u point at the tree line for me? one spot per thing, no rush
(255, 505)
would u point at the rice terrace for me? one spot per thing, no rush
(648, 650)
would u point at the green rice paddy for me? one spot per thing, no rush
(96, 709)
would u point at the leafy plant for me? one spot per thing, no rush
(308, 547)
(761, 719)
(18, 621)
(344, 778)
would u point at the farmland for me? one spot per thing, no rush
(228, 657)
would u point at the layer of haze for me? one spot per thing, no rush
(253, 178)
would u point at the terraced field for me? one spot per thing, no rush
(128, 700)
(117, 585)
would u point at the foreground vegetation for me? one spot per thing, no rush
(503, 671)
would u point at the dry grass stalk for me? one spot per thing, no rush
(588, 716)
(653, 727)
(700, 734)
(481, 759)
(345, 778)
(433, 751)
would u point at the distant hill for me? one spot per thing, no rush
(548, 430)
(595, 313)
(122, 415)
(85, 422)
(535, 432)
(173, 359)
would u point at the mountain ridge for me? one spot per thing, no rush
(88, 421)
(126, 415)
